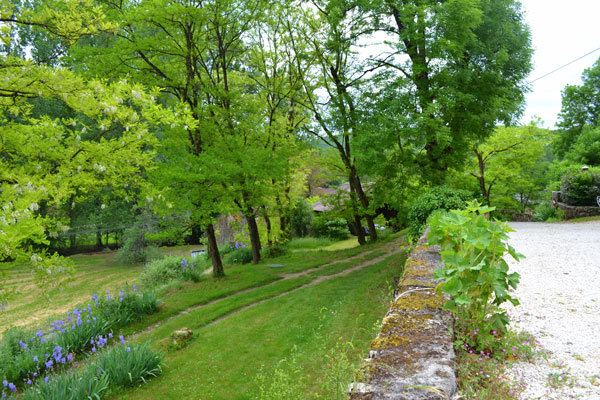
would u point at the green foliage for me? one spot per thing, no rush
(88, 384)
(580, 188)
(128, 365)
(136, 247)
(330, 227)
(26, 354)
(586, 148)
(580, 109)
(130, 307)
(544, 212)
(511, 165)
(116, 367)
(240, 255)
(437, 198)
(302, 215)
(161, 271)
(275, 250)
(475, 273)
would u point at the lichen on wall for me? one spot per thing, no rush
(412, 358)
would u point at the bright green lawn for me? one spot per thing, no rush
(222, 362)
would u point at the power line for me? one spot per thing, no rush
(566, 65)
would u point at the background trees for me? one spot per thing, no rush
(204, 108)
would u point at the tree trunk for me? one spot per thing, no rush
(485, 192)
(268, 224)
(364, 201)
(99, 239)
(213, 250)
(359, 230)
(372, 229)
(254, 236)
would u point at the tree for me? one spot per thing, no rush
(45, 160)
(322, 43)
(506, 162)
(580, 108)
(454, 69)
(586, 148)
(213, 58)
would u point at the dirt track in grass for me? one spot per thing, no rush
(392, 248)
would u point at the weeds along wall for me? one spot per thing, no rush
(413, 357)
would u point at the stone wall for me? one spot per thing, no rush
(578, 211)
(413, 356)
(574, 211)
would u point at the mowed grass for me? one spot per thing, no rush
(99, 272)
(224, 359)
(246, 322)
(94, 273)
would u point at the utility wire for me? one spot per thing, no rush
(566, 65)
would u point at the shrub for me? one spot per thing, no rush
(580, 188)
(162, 271)
(475, 273)
(333, 228)
(241, 255)
(544, 212)
(136, 248)
(128, 308)
(437, 198)
(301, 218)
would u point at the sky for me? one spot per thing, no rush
(562, 31)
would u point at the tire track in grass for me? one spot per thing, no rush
(314, 282)
(394, 247)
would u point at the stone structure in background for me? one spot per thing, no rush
(574, 211)
(413, 356)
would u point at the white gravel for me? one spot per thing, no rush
(560, 304)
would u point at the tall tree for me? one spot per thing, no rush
(454, 70)
(323, 41)
(203, 53)
(580, 108)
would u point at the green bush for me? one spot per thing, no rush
(116, 367)
(437, 198)
(136, 248)
(580, 188)
(75, 386)
(162, 271)
(475, 274)
(544, 212)
(241, 255)
(127, 308)
(301, 218)
(333, 228)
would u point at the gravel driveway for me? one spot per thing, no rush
(560, 304)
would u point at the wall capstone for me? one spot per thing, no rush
(413, 357)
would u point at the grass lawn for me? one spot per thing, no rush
(253, 318)
(224, 359)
